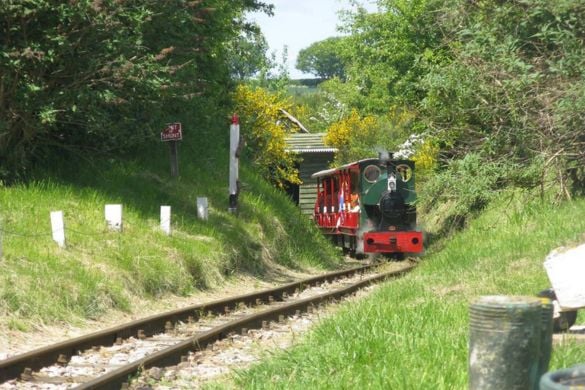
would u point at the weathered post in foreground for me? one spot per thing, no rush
(234, 163)
(504, 343)
(546, 335)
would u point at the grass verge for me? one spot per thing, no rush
(100, 270)
(413, 333)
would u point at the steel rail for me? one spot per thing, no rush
(13, 367)
(172, 355)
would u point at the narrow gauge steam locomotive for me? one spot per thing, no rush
(368, 207)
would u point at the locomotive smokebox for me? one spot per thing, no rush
(393, 210)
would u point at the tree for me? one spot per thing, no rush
(358, 137)
(248, 53)
(94, 76)
(514, 91)
(387, 53)
(265, 133)
(323, 59)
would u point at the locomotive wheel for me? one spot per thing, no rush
(357, 256)
(395, 256)
(566, 319)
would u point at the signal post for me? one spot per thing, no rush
(172, 134)
(235, 147)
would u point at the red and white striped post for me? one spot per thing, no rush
(234, 163)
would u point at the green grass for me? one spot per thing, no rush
(413, 333)
(100, 270)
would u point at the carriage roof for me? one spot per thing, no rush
(329, 172)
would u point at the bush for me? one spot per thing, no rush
(264, 128)
(98, 76)
(513, 90)
(460, 191)
(358, 137)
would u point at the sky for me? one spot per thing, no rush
(299, 23)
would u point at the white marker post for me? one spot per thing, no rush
(165, 219)
(234, 164)
(58, 228)
(202, 208)
(114, 216)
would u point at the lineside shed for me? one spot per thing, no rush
(315, 157)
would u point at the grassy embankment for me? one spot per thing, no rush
(413, 333)
(101, 270)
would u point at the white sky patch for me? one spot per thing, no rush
(299, 23)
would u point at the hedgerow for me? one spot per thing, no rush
(96, 76)
(265, 128)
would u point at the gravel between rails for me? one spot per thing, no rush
(237, 352)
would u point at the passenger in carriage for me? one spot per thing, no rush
(354, 199)
(354, 203)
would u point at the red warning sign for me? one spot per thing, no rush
(173, 132)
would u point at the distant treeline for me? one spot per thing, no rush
(307, 82)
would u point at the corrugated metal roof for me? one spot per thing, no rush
(313, 150)
(308, 143)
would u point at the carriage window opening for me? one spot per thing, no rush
(354, 177)
(405, 172)
(372, 173)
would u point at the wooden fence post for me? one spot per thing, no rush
(173, 145)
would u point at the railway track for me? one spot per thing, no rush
(106, 359)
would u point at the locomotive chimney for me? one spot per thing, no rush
(385, 156)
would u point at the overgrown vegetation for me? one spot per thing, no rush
(322, 59)
(82, 82)
(357, 137)
(265, 129)
(491, 84)
(412, 333)
(509, 90)
(100, 76)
